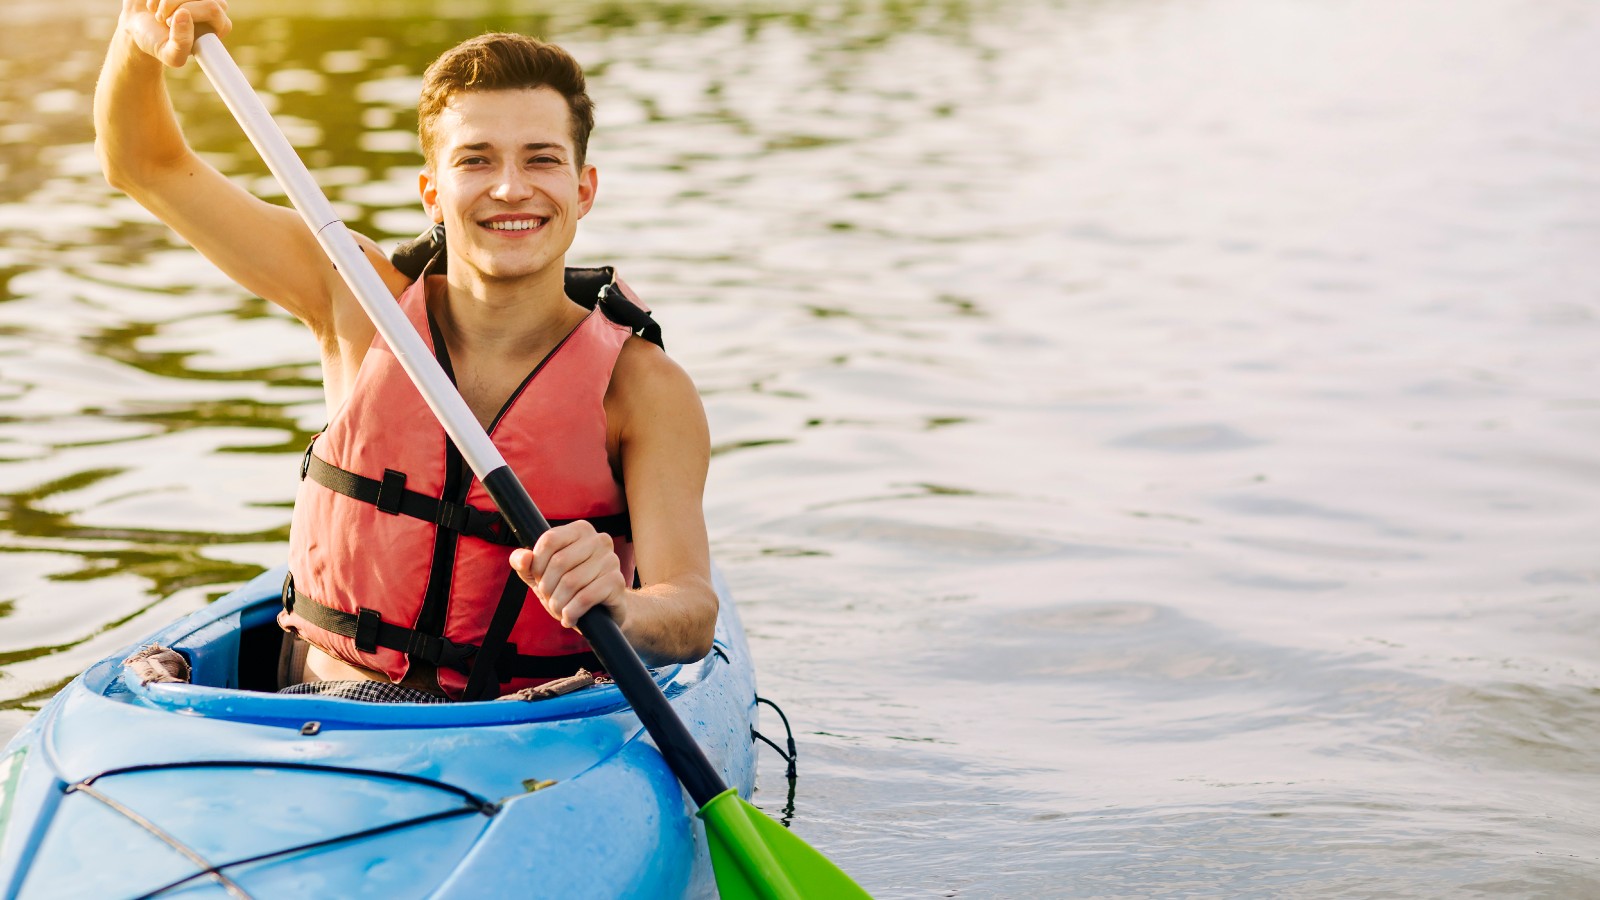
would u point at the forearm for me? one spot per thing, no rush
(137, 137)
(671, 621)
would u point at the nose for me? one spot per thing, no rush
(513, 185)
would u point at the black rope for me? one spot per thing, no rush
(793, 754)
(788, 773)
(326, 842)
(789, 758)
(228, 884)
(474, 805)
(474, 802)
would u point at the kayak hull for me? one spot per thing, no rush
(117, 789)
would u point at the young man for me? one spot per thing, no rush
(393, 580)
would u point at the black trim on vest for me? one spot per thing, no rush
(441, 570)
(368, 628)
(618, 308)
(457, 481)
(591, 288)
(506, 406)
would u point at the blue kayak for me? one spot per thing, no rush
(215, 789)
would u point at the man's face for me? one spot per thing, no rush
(504, 181)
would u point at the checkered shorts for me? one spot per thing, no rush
(366, 691)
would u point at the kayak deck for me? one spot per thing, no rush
(123, 788)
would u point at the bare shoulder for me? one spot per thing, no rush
(650, 392)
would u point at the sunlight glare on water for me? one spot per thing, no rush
(1155, 444)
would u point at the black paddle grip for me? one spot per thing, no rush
(678, 747)
(512, 499)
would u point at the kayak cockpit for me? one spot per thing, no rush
(232, 649)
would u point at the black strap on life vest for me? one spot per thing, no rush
(367, 628)
(391, 496)
(497, 641)
(591, 288)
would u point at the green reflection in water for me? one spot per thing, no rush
(34, 700)
(341, 77)
(169, 560)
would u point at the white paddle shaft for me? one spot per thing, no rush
(353, 266)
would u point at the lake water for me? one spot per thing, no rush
(1157, 444)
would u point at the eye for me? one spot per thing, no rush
(471, 161)
(547, 160)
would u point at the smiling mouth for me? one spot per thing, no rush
(514, 224)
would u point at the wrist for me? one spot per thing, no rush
(133, 56)
(617, 606)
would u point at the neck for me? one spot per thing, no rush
(505, 315)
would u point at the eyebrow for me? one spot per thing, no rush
(485, 145)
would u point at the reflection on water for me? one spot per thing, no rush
(1154, 443)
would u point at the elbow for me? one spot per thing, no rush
(675, 627)
(113, 173)
(116, 168)
(696, 630)
(133, 173)
(704, 633)
(701, 648)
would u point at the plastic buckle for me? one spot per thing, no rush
(455, 656)
(425, 647)
(490, 526)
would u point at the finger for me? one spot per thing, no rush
(207, 15)
(578, 572)
(591, 584)
(212, 14)
(596, 581)
(561, 565)
(180, 40)
(595, 594)
(556, 540)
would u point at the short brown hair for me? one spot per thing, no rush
(498, 62)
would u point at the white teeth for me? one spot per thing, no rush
(515, 225)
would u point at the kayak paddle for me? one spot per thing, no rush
(752, 855)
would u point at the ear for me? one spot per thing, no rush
(588, 186)
(429, 190)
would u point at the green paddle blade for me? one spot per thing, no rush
(755, 857)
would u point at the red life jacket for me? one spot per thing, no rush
(396, 553)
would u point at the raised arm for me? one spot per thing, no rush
(263, 247)
(655, 414)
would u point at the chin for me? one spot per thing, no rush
(508, 269)
(507, 276)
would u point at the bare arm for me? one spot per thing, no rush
(263, 247)
(657, 419)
